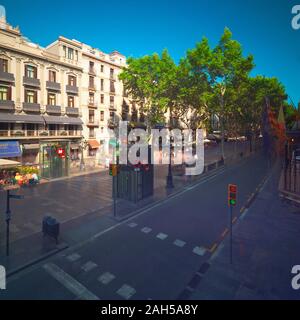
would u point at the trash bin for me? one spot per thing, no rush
(51, 227)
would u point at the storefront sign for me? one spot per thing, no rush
(9, 149)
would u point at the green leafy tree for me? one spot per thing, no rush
(151, 81)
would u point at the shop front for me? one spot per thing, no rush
(54, 159)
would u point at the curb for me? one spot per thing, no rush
(204, 267)
(32, 262)
(149, 206)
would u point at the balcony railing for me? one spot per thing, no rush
(92, 71)
(32, 82)
(53, 85)
(71, 89)
(7, 105)
(7, 77)
(31, 107)
(40, 133)
(92, 86)
(70, 111)
(92, 105)
(93, 123)
(53, 109)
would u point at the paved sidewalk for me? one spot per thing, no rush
(265, 248)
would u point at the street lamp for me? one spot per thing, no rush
(223, 90)
(170, 183)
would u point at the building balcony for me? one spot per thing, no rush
(92, 71)
(72, 89)
(53, 109)
(92, 105)
(60, 133)
(7, 77)
(112, 107)
(92, 87)
(7, 105)
(31, 107)
(70, 111)
(112, 77)
(32, 82)
(55, 86)
(33, 134)
(93, 123)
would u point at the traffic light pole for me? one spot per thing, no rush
(230, 232)
(232, 193)
(8, 215)
(114, 196)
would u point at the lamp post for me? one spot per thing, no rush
(170, 183)
(223, 90)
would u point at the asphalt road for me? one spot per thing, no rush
(151, 256)
(67, 199)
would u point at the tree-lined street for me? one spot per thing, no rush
(155, 254)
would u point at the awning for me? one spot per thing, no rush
(4, 164)
(31, 146)
(94, 144)
(62, 120)
(74, 146)
(9, 149)
(21, 118)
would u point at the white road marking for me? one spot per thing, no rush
(73, 257)
(90, 265)
(146, 230)
(200, 251)
(141, 213)
(162, 236)
(132, 225)
(126, 291)
(179, 243)
(75, 287)
(244, 214)
(106, 278)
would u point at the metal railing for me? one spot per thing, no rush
(40, 133)
(292, 176)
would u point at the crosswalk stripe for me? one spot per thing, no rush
(80, 291)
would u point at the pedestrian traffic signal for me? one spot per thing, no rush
(232, 192)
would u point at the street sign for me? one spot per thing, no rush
(15, 196)
(232, 193)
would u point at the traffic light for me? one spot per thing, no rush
(113, 170)
(232, 192)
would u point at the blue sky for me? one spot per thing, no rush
(138, 27)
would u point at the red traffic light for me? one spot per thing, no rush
(232, 188)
